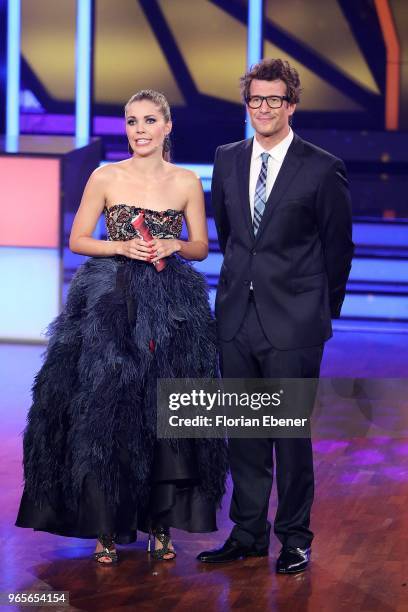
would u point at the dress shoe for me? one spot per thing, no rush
(231, 551)
(293, 560)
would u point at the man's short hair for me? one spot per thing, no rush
(272, 70)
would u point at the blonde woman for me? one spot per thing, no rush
(92, 463)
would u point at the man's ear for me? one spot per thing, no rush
(292, 108)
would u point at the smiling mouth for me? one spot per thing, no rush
(142, 141)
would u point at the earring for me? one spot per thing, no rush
(166, 143)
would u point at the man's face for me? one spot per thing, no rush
(268, 121)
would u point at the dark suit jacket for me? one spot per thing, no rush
(300, 259)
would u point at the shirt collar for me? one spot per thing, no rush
(278, 152)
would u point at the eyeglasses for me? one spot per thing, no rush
(272, 101)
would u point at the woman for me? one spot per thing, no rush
(93, 466)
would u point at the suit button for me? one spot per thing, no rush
(253, 252)
(246, 282)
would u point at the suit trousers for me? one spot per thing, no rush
(250, 355)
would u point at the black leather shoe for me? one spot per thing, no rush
(231, 551)
(293, 560)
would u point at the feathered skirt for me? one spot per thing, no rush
(92, 460)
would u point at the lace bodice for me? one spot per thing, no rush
(162, 224)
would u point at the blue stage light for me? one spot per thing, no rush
(30, 280)
(210, 266)
(383, 234)
(13, 76)
(371, 306)
(204, 171)
(372, 327)
(206, 183)
(379, 270)
(254, 44)
(83, 72)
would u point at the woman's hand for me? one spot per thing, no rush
(163, 247)
(136, 249)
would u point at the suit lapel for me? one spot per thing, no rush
(243, 169)
(290, 166)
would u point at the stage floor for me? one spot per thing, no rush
(360, 520)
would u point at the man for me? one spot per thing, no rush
(283, 216)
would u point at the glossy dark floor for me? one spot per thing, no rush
(360, 518)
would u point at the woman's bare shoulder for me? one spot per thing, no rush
(183, 175)
(108, 171)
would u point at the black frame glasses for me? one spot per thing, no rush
(278, 101)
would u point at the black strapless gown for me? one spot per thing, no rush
(92, 461)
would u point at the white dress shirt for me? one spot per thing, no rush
(275, 160)
(276, 157)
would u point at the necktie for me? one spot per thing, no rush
(260, 193)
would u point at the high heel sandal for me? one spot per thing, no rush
(107, 542)
(162, 534)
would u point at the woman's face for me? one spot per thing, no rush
(146, 127)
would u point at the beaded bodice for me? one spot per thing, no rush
(161, 223)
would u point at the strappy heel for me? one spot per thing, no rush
(162, 534)
(107, 542)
